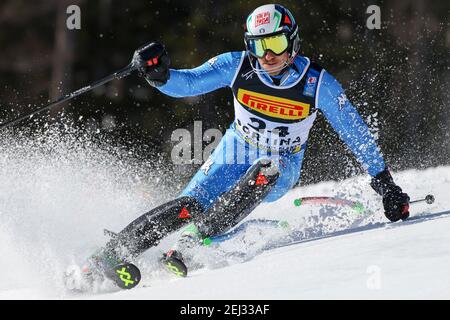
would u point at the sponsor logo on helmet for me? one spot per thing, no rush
(262, 18)
(275, 107)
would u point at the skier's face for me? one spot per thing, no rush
(273, 62)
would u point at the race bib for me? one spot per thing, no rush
(265, 133)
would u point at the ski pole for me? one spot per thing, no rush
(117, 75)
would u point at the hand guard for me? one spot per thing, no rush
(395, 202)
(153, 62)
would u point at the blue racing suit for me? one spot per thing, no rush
(273, 117)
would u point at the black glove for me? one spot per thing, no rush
(153, 62)
(395, 202)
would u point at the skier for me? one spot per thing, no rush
(277, 96)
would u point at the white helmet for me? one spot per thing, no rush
(271, 28)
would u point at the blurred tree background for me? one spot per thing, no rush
(397, 77)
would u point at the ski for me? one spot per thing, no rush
(91, 278)
(300, 236)
(126, 276)
(355, 205)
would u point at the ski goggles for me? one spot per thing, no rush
(258, 46)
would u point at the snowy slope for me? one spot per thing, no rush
(362, 260)
(402, 260)
(407, 262)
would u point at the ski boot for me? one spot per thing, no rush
(173, 260)
(176, 258)
(124, 274)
